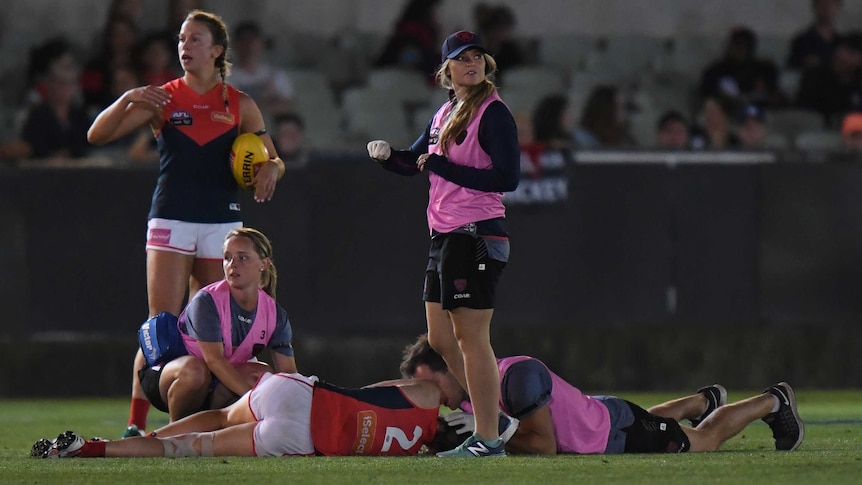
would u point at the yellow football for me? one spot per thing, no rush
(246, 154)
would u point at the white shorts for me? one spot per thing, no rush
(281, 404)
(204, 241)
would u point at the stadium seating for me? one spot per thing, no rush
(403, 85)
(629, 55)
(371, 113)
(788, 82)
(689, 55)
(774, 48)
(565, 51)
(792, 122)
(642, 126)
(776, 141)
(818, 140)
(315, 101)
(303, 50)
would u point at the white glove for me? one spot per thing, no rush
(379, 150)
(466, 421)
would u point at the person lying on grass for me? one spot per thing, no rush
(555, 417)
(286, 415)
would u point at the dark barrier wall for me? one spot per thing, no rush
(627, 252)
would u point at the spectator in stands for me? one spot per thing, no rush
(552, 122)
(814, 46)
(415, 41)
(155, 60)
(139, 145)
(13, 149)
(550, 143)
(851, 133)
(603, 122)
(130, 9)
(672, 131)
(531, 151)
(57, 127)
(177, 12)
(835, 88)
(289, 139)
(851, 140)
(496, 25)
(716, 133)
(55, 54)
(741, 74)
(255, 76)
(123, 78)
(119, 37)
(752, 128)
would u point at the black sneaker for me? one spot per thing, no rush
(40, 448)
(787, 427)
(716, 396)
(67, 445)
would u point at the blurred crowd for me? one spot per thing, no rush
(736, 100)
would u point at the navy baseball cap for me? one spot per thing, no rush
(458, 42)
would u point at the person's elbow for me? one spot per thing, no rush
(511, 183)
(96, 138)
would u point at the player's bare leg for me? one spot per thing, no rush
(167, 281)
(687, 407)
(184, 385)
(728, 420)
(473, 332)
(441, 337)
(231, 441)
(696, 407)
(204, 272)
(211, 420)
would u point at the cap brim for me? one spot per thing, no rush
(461, 49)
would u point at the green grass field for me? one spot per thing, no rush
(831, 453)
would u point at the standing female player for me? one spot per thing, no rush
(471, 150)
(195, 119)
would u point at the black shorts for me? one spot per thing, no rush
(653, 434)
(150, 378)
(460, 273)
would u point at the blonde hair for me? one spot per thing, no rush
(263, 248)
(465, 109)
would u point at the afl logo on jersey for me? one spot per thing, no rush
(181, 118)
